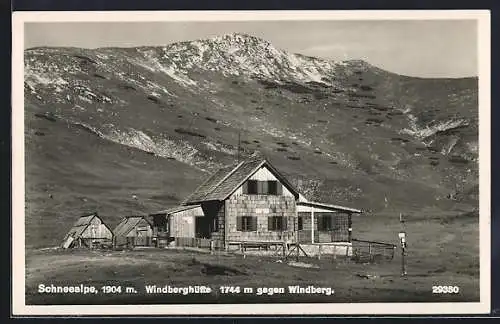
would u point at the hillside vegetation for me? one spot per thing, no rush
(125, 131)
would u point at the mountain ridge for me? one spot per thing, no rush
(344, 132)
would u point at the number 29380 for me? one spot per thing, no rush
(445, 289)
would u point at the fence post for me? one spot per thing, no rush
(370, 251)
(319, 251)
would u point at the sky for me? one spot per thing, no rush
(423, 48)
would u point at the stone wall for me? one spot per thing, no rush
(262, 207)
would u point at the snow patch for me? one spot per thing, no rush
(430, 130)
(45, 79)
(179, 150)
(153, 64)
(220, 148)
(85, 99)
(184, 80)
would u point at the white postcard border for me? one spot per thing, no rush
(18, 176)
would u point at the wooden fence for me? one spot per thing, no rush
(203, 243)
(371, 251)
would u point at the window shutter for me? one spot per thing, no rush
(270, 225)
(215, 225)
(245, 187)
(259, 187)
(239, 223)
(279, 188)
(254, 223)
(285, 223)
(265, 187)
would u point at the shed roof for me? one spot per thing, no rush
(226, 180)
(127, 224)
(176, 209)
(328, 206)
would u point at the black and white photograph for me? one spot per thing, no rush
(251, 162)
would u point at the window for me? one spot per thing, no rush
(255, 187)
(246, 223)
(272, 187)
(300, 222)
(252, 187)
(337, 224)
(325, 223)
(276, 223)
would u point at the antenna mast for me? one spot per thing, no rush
(239, 146)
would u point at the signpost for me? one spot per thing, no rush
(402, 238)
(296, 224)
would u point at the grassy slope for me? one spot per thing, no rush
(353, 161)
(72, 172)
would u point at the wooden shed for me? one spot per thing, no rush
(179, 223)
(133, 231)
(88, 231)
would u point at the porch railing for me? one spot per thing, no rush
(203, 243)
(323, 236)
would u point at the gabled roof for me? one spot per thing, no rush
(81, 225)
(127, 224)
(84, 220)
(226, 180)
(176, 209)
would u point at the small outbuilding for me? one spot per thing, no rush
(179, 224)
(88, 231)
(133, 231)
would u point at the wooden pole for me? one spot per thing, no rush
(403, 262)
(312, 224)
(350, 226)
(403, 247)
(297, 234)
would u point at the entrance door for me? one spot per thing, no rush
(142, 238)
(202, 227)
